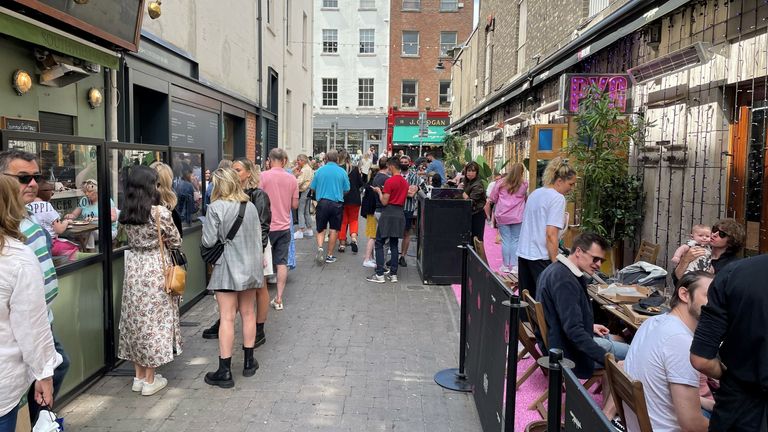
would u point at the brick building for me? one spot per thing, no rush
(421, 34)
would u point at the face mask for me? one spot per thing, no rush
(404, 167)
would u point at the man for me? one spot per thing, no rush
(409, 209)
(562, 291)
(374, 155)
(730, 344)
(283, 194)
(304, 174)
(24, 167)
(436, 166)
(391, 222)
(659, 358)
(330, 184)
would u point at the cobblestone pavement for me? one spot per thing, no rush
(344, 355)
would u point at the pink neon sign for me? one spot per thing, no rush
(617, 86)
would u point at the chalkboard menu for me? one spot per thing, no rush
(196, 128)
(18, 124)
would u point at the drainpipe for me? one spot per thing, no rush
(261, 125)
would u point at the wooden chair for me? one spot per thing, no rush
(648, 252)
(538, 321)
(480, 249)
(627, 392)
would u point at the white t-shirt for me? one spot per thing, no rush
(545, 207)
(659, 356)
(45, 215)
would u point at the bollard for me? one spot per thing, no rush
(514, 305)
(452, 378)
(555, 385)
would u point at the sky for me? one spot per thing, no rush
(475, 12)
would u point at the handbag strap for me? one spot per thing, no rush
(160, 240)
(239, 221)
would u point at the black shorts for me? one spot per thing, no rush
(281, 241)
(410, 218)
(328, 213)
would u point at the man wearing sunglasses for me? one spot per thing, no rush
(24, 167)
(562, 291)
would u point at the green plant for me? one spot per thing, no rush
(454, 152)
(609, 198)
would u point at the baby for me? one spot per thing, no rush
(700, 236)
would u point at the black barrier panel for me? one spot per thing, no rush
(581, 411)
(487, 341)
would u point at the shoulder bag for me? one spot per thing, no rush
(212, 254)
(175, 274)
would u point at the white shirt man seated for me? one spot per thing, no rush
(659, 357)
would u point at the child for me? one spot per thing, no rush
(51, 221)
(700, 236)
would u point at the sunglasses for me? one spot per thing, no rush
(26, 179)
(595, 259)
(720, 233)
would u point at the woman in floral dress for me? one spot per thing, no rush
(149, 320)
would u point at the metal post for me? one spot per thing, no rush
(421, 144)
(554, 403)
(514, 305)
(452, 378)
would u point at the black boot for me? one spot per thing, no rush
(212, 332)
(249, 363)
(223, 376)
(261, 336)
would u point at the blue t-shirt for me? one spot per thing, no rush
(437, 166)
(330, 182)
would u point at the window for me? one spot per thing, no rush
(330, 41)
(330, 3)
(330, 92)
(488, 61)
(597, 6)
(409, 93)
(367, 4)
(188, 183)
(447, 41)
(304, 40)
(365, 92)
(522, 33)
(287, 22)
(410, 43)
(412, 5)
(269, 11)
(367, 38)
(445, 94)
(449, 5)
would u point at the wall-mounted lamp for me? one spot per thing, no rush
(154, 9)
(95, 97)
(22, 81)
(81, 2)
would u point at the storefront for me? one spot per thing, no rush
(353, 133)
(404, 132)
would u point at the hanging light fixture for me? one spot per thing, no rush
(154, 9)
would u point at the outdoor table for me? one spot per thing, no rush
(79, 233)
(611, 307)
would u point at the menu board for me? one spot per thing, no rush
(196, 128)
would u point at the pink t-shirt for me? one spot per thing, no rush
(509, 206)
(282, 188)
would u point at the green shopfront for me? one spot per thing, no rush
(54, 105)
(405, 136)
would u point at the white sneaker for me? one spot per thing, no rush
(369, 263)
(513, 269)
(308, 233)
(298, 235)
(137, 384)
(505, 269)
(393, 278)
(150, 389)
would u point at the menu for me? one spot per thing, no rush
(196, 128)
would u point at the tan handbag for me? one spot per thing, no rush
(175, 275)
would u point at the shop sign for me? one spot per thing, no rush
(414, 121)
(574, 88)
(19, 124)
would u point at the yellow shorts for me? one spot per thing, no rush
(370, 226)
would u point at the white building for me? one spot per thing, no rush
(351, 70)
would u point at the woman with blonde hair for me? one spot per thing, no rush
(168, 197)
(237, 273)
(27, 352)
(543, 219)
(509, 196)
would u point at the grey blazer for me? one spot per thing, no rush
(241, 267)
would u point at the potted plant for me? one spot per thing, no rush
(610, 200)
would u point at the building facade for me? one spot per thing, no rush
(351, 61)
(696, 72)
(423, 34)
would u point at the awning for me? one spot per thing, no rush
(27, 29)
(409, 135)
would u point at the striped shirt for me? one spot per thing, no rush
(38, 242)
(413, 179)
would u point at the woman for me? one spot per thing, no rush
(149, 318)
(167, 196)
(368, 211)
(238, 272)
(543, 219)
(88, 209)
(509, 196)
(27, 353)
(248, 173)
(352, 203)
(474, 190)
(365, 166)
(726, 242)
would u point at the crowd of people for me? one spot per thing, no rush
(718, 311)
